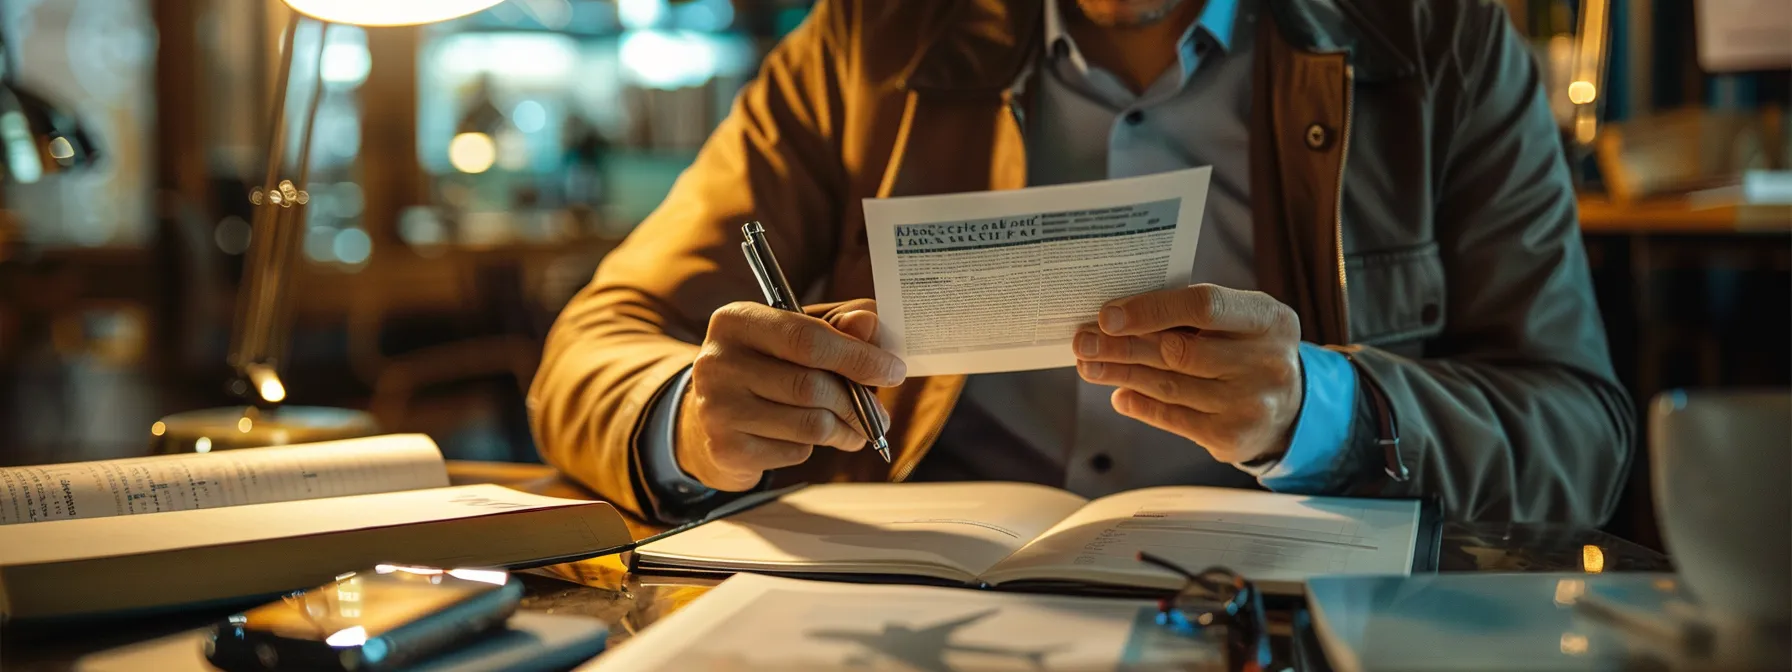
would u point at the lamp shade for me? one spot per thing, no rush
(388, 12)
(38, 138)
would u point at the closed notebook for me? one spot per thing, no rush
(1032, 537)
(153, 533)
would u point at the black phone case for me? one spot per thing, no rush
(234, 650)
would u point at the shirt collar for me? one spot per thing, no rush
(1217, 21)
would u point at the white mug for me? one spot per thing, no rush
(1722, 464)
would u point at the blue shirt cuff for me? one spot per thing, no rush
(672, 487)
(1321, 440)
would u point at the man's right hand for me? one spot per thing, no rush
(764, 392)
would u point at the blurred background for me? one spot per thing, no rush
(466, 177)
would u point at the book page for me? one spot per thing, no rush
(226, 478)
(1044, 259)
(755, 622)
(874, 528)
(1266, 537)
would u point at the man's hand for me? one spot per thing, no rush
(1218, 366)
(763, 391)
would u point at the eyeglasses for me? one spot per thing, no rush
(1218, 597)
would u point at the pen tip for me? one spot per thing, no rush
(883, 448)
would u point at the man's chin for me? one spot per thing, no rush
(1126, 13)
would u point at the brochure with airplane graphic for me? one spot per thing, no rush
(754, 622)
(1032, 537)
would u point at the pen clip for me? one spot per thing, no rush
(759, 274)
(766, 270)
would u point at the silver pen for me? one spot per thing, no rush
(778, 294)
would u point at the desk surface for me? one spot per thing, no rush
(602, 588)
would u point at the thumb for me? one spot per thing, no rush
(859, 324)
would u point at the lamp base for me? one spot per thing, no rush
(233, 427)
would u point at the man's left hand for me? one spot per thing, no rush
(1220, 367)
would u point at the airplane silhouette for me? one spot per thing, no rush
(926, 648)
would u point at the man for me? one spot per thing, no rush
(1391, 296)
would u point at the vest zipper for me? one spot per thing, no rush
(1387, 424)
(1338, 205)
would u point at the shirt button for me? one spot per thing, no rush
(1134, 117)
(1101, 463)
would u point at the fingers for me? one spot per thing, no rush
(1178, 350)
(755, 394)
(766, 388)
(728, 437)
(793, 424)
(1180, 420)
(1205, 307)
(1218, 366)
(1201, 394)
(739, 461)
(859, 324)
(787, 384)
(1217, 433)
(836, 310)
(805, 341)
(857, 318)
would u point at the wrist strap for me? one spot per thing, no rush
(1387, 425)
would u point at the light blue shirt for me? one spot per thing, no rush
(1086, 125)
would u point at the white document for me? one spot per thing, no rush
(762, 623)
(1000, 281)
(1736, 35)
(227, 478)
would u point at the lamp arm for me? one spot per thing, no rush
(259, 343)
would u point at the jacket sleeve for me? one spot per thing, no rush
(637, 324)
(1515, 414)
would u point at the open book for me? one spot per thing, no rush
(1031, 537)
(154, 532)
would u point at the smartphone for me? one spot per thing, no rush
(379, 619)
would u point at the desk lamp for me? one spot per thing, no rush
(258, 339)
(37, 137)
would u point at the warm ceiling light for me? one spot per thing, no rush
(472, 152)
(388, 12)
